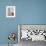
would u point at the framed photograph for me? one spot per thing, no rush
(10, 11)
(33, 32)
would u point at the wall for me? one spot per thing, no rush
(27, 12)
(7, 25)
(31, 11)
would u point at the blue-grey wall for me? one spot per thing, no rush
(27, 12)
(7, 25)
(31, 11)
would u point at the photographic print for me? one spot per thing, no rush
(29, 34)
(10, 11)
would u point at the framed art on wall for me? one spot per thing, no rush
(31, 32)
(10, 11)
